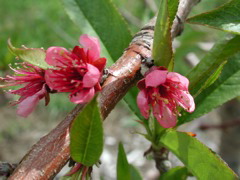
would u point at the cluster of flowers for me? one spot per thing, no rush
(79, 72)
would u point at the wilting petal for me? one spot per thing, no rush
(155, 78)
(164, 115)
(57, 56)
(28, 105)
(83, 96)
(92, 45)
(91, 77)
(186, 101)
(178, 78)
(142, 103)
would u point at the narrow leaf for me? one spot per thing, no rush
(123, 170)
(211, 63)
(179, 173)
(35, 56)
(135, 175)
(162, 44)
(224, 18)
(86, 135)
(225, 88)
(106, 21)
(76, 15)
(199, 159)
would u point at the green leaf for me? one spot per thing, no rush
(224, 18)
(179, 173)
(210, 66)
(162, 44)
(76, 15)
(106, 21)
(225, 88)
(123, 170)
(135, 175)
(35, 56)
(86, 135)
(172, 9)
(199, 159)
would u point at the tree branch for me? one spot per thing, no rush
(47, 157)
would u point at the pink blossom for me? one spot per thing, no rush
(77, 71)
(164, 91)
(35, 88)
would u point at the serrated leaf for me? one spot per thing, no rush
(225, 88)
(86, 135)
(162, 44)
(106, 22)
(211, 63)
(198, 158)
(179, 173)
(224, 18)
(35, 56)
(172, 9)
(123, 170)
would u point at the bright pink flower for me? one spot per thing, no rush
(77, 71)
(164, 91)
(34, 89)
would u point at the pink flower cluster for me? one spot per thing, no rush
(77, 71)
(163, 92)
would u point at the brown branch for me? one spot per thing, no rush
(47, 157)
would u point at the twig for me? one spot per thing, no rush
(50, 154)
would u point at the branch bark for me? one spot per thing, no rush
(47, 157)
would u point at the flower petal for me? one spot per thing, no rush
(91, 77)
(92, 45)
(155, 78)
(100, 63)
(83, 96)
(27, 106)
(178, 78)
(186, 101)
(57, 56)
(164, 115)
(142, 103)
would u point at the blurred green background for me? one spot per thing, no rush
(45, 23)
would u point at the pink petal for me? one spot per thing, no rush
(186, 101)
(100, 63)
(83, 96)
(155, 78)
(164, 115)
(91, 77)
(141, 84)
(178, 78)
(27, 106)
(57, 56)
(92, 45)
(142, 103)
